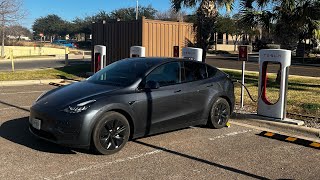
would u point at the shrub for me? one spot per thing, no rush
(272, 46)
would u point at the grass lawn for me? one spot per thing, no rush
(303, 92)
(68, 72)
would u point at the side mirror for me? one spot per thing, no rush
(152, 85)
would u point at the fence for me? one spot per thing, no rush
(21, 51)
(158, 37)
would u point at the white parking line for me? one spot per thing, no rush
(230, 134)
(102, 165)
(25, 92)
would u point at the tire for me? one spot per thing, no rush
(219, 114)
(110, 134)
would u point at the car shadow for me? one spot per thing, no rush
(201, 160)
(17, 131)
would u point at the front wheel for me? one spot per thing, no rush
(219, 114)
(110, 133)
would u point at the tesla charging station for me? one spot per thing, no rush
(137, 51)
(192, 53)
(275, 109)
(99, 57)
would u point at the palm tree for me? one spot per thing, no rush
(205, 18)
(293, 20)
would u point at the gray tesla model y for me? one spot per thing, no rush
(132, 98)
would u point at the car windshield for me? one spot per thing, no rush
(122, 73)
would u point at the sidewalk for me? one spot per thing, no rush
(57, 57)
(35, 82)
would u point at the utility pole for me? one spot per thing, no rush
(137, 10)
(3, 26)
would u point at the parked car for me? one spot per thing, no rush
(64, 43)
(74, 43)
(84, 44)
(133, 98)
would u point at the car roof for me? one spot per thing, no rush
(160, 60)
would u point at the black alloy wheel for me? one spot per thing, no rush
(111, 133)
(220, 113)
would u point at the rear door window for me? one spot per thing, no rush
(193, 71)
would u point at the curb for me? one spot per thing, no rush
(246, 119)
(35, 82)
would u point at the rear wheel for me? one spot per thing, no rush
(111, 133)
(219, 114)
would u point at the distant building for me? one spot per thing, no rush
(22, 37)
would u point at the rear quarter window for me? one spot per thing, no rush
(193, 71)
(214, 72)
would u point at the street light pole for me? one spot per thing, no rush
(137, 10)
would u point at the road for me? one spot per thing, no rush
(38, 64)
(218, 61)
(237, 152)
(230, 63)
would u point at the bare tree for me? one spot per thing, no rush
(170, 15)
(10, 13)
(17, 32)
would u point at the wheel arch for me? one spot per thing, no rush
(128, 117)
(229, 102)
(213, 100)
(119, 108)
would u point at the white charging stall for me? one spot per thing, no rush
(137, 51)
(281, 58)
(192, 53)
(100, 53)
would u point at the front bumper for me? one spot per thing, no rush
(59, 127)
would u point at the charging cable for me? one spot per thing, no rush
(237, 81)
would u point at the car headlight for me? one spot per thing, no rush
(79, 107)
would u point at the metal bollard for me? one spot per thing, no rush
(67, 56)
(11, 58)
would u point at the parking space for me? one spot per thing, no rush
(237, 152)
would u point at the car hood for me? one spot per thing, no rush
(73, 93)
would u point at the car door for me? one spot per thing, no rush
(162, 107)
(196, 91)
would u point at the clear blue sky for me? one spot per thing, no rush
(69, 9)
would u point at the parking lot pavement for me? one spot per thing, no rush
(193, 153)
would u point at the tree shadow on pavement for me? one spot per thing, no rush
(17, 131)
(202, 160)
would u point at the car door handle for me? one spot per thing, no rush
(210, 85)
(177, 91)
